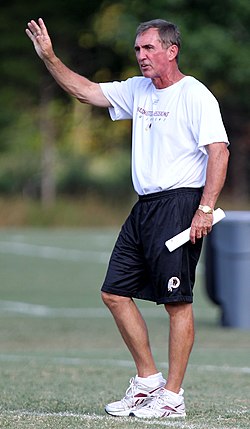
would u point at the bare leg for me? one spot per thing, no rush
(181, 339)
(133, 330)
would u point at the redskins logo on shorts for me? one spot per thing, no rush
(173, 283)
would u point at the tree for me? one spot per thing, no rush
(216, 46)
(96, 39)
(27, 83)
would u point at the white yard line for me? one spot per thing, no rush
(60, 414)
(56, 253)
(35, 310)
(64, 360)
(38, 310)
(105, 418)
(96, 417)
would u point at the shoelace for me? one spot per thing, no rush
(128, 399)
(130, 392)
(158, 400)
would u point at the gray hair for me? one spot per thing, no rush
(168, 32)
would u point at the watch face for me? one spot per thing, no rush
(205, 209)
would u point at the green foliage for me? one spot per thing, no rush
(96, 39)
(20, 175)
(105, 175)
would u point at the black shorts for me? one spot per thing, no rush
(141, 266)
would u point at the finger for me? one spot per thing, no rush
(198, 232)
(31, 31)
(43, 27)
(192, 235)
(34, 28)
(29, 34)
(41, 24)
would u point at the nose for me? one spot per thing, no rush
(140, 55)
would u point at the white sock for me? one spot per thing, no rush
(151, 380)
(173, 394)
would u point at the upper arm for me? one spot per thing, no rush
(217, 149)
(93, 95)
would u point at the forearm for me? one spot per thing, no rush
(73, 83)
(215, 174)
(215, 179)
(76, 85)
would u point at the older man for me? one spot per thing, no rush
(179, 163)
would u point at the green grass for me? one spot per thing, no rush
(62, 359)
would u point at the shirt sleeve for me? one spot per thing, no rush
(205, 118)
(120, 96)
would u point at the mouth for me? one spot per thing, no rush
(144, 66)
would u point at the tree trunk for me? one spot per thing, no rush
(47, 131)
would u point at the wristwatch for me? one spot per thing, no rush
(205, 209)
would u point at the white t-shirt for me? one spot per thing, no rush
(171, 128)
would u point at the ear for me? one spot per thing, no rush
(173, 52)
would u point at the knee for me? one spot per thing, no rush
(106, 297)
(111, 300)
(179, 309)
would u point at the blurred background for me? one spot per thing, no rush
(67, 164)
(65, 189)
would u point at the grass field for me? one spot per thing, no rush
(62, 359)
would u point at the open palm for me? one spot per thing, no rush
(38, 34)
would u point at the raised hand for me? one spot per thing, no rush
(38, 34)
(76, 85)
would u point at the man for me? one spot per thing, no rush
(179, 163)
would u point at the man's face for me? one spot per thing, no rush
(153, 58)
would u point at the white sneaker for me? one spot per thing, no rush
(137, 395)
(165, 404)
